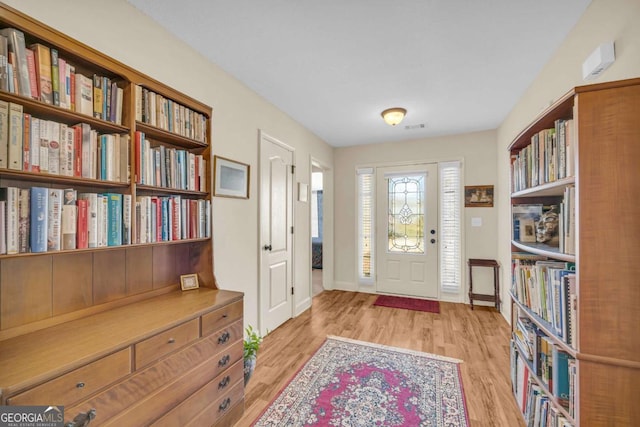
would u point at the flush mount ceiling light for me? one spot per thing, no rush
(393, 116)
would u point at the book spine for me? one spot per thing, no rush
(114, 215)
(54, 235)
(4, 62)
(39, 219)
(3, 227)
(55, 77)
(44, 146)
(26, 142)
(16, 116)
(54, 147)
(23, 220)
(97, 96)
(92, 218)
(11, 196)
(35, 144)
(33, 80)
(4, 134)
(42, 56)
(72, 87)
(17, 47)
(82, 229)
(69, 219)
(126, 219)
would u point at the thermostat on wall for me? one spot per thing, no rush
(598, 61)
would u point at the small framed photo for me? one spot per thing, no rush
(231, 178)
(478, 196)
(189, 281)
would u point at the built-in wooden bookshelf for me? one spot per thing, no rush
(86, 287)
(574, 297)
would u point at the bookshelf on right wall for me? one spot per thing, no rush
(575, 289)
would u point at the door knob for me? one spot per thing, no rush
(267, 247)
(433, 240)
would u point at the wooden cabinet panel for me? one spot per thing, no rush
(219, 408)
(221, 317)
(204, 398)
(25, 290)
(78, 384)
(72, 282)
(139, 270)
(164, 343)
(108, 276)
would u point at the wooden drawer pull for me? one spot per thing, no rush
(224, 361)
(224, 405)
(82, 419)
(224, 338)
(171, 341)
(224, 316)
(80, 385)
(225, 382)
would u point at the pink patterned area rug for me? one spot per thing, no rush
(356, 383)
(408, 303)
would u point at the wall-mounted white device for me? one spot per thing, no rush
(598, 61)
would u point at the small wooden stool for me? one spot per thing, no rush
(496, 281)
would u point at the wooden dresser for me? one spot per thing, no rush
(172, 360)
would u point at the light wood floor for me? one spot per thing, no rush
(480, 338)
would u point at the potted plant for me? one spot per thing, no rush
(251, 346)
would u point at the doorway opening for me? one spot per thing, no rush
(317, 229)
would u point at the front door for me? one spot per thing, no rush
(407, 249)
(276, 219)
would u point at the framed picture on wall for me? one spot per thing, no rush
(231, 178)
(478, 196)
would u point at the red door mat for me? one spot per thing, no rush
(408, 303)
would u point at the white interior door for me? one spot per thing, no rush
(407, 242)
(276, 216)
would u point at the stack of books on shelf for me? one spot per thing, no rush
(168, 167)
(33, 144)
(164, 113)
(548, 158)
(548, 290)
(40, 219)
(544, 397)
(40, 72)
(168, 218)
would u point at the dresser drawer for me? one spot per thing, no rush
(164, 343)
(212, 414)
(202, 399)
(78, 384)
(223, 316)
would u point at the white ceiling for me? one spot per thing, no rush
(333, 65)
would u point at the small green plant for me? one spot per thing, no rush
(251, 342)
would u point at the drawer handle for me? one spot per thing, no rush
(224, 382)
(224, 338)
(224, 316)
(224, 405)
(80, 385)
(171, 341)
(224, 361)
(82, 419)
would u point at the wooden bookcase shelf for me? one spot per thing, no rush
(48, 295)
(602, 121)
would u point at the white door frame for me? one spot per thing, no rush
(261, 314)
(326, 253)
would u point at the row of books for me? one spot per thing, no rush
(168, 167)
(538, 408)
(40, 219)
(38, 71)
(32, 144)
(548, 289)
(549, 157)
(156, 110)
(168, 218)
(552, 225)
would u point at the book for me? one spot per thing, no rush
(97, 97)
(92, 218)
(54, 219)
(44, 146)
(42, 56)
(84, 94)
(26, 142)
(24, 219)
(17, 46)
(114, 219)
(3, 228)
(4, 134)
(102, 220)
(524, 217)
(16, 128)
(560, 362)
(54, 147)
(69, 219)
(33, 81)
(34, 152)
(82, 229)
(39, 219)
(11, 197)
(55, 76)
(67, 158)
(126, 219)
(4, 63)
(65, 93)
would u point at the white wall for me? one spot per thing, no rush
(478, 153)
(124, 33)
(603, 21)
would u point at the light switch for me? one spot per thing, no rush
(476, 222)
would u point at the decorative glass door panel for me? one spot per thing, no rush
(406, 214)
